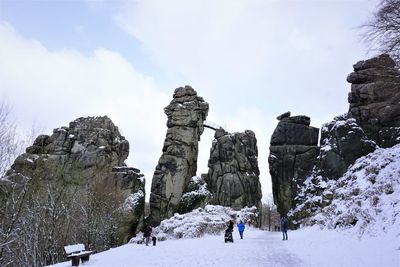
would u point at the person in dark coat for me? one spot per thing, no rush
(241, 227)
(147, 230)
(230, 225)
(284, 227)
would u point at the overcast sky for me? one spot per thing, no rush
(250, 60)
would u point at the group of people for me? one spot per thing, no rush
(241, 227)
(147, 230)
(228, 232)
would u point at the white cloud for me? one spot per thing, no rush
(56, 87)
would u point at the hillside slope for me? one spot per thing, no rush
(366, 198)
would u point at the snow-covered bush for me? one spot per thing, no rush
(196, 195)
(200, 222)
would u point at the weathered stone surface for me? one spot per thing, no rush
(73, 174)
(294, 131)
(342, 142)
(178, 163)
(293, 152)
(283, 115)
(374, 99)
(89, 148)
(233, 176)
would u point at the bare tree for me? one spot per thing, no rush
(382, 31)
(270, 216)
(8, 141)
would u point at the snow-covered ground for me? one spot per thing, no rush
(305, 247)
(360, 227)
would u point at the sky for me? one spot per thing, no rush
(250, 60)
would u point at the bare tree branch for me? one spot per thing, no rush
(382, 31)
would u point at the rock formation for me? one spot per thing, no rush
(373, 121)
(178, 163)
(69, 180)
(233, 176)
(131, 180)
(342, 142)
(293, 152)
(374, 99)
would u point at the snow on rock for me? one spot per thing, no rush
(366, 198)
(211, 125)
(132, 201)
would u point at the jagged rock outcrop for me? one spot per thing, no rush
(293, 152)
(373, 121)
(374, 99)
(342, 142)
(233, 176)
(178, 163)
(70, 182)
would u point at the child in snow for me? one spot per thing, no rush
(241, 227)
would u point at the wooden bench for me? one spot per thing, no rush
(77, 252)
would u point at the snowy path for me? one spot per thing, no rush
(306, 247)
(258, 248)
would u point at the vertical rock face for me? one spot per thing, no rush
(233, 176)
(293, 152)
(374, 99)
(132, 217)
(178, 163)
(70, 179)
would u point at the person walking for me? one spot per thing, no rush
(147, 230)
(241, 227)
(284, 227)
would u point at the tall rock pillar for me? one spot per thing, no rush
(178, 163)
(293, 152)
(233, 176)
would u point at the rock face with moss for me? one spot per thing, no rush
(70, 178)
(233, 176)
(178, 163)
(293, 152)
(374, 99)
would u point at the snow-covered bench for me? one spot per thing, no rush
(76, 252)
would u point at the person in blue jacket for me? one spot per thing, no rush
(284, 227)
(241, 227)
